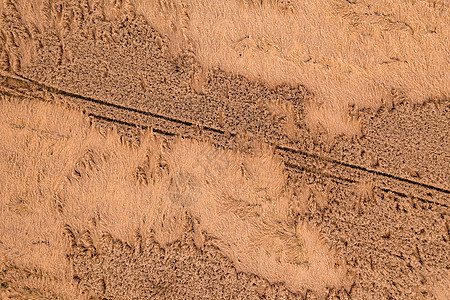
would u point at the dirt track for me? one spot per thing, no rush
(396, 241)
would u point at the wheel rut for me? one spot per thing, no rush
(294, 159)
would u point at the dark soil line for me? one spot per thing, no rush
(57, 91)
(406, 196)
(315, 171)
(431, 187)
(159, 131)
(25, 83)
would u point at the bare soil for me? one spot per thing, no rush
(396, 242)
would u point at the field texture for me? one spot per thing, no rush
(224, 149)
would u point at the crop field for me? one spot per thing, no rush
(241, 149)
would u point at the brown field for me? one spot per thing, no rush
(237, 149)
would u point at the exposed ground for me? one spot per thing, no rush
(380, 199)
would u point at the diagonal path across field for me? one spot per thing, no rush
(293, 158)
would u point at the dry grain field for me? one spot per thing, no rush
(224, 149)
